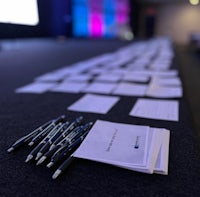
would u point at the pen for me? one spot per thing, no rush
(28, 137)
(66, 141)
(63, 166)
(51, 139)
(46, 139)
(71, 143)
(66, 150)
(38, 137)
(41, 144)
(73, 125)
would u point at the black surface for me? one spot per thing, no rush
(21, 113)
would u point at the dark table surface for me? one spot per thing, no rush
(22, 61)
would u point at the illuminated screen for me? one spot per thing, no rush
(99, 18)
(24, 12)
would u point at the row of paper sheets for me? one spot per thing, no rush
(161, 88)
(144, 108)
(138, 148)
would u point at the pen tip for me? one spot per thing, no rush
(56, 174)
(10, 149)
(51, 147)
(41, 160)
(49, 164)
(31, 143)
(29, 158)
(38, 156)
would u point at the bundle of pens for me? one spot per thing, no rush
(55, 140)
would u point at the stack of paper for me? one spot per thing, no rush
(138, 148)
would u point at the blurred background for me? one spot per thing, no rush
(110, 19)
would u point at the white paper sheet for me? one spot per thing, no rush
(69, 86)
(36, 87)
(94, 103)
(156, 109)
(166, 81)
(79, 77)
(111, 77)
(131, 76)
(130, 89)
(159, 91)
(98, 87)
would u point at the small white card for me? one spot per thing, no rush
(130, 89)
(166, 81)
(69, 86)
(156, 109)
(36, 87)
(108, 77)
(79, 78)
(159, 91)
(131, 76)
(94, 104)
(99, 87)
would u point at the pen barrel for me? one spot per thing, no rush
(38, 137)
(68, 148)
(59, 119)
(59, 132)
(51, 152)
(66, 163)
(66, 151)
(45, 148)
(36, 149)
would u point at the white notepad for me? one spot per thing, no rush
(127, 146)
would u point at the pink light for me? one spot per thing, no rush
(96, 24)
(122, 18)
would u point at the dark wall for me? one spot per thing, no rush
(54, 20)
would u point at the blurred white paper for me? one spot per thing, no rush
(98, 87)
(130, 89)
(69, 86)
(111, 77)
(53, 76)
(159, 91)
(156, 109)
(94, 103)
(79, 77)
(166, 81)
(131, 76)
(36, 87)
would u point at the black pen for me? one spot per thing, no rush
(38, 137)
(71, 143)
(41, 144)
(61, 143)
(63, 166)
(51, 139)
(73, 125)
(46, 139)
(61, 153)
(28, 137)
